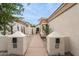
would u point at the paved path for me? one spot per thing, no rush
(36, 47)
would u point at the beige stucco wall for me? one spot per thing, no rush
(51, 46)
(68, 24)
(19, 49)
(25, 45)
(3, 43)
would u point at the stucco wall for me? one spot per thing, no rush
(68, 24)
(25, 44)
(3, 43)
(19, 49)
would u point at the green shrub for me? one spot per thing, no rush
(46, 29)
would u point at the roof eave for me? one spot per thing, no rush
(64, 7)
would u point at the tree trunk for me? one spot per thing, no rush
(4, 33)
(11, 29)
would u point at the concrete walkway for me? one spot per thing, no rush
(36, 47)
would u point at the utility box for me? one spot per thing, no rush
(17, 44)
(55, 44)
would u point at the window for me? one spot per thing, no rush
(57, 43)
(14, 41)
(57, 40)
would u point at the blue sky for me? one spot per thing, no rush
(34, 11)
